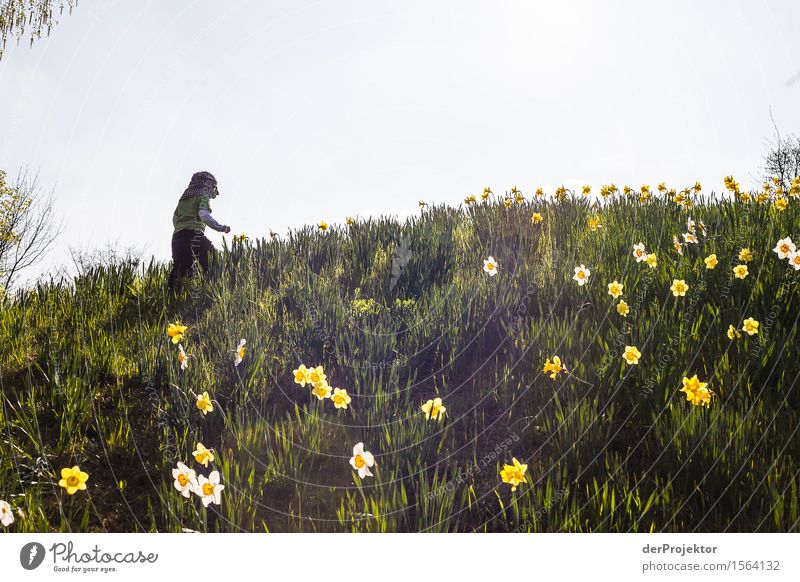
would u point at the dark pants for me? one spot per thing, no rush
(188, 245)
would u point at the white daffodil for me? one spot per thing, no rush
(490, 266)
(689, 238)
(582, 275)
(185, 479)
(6, 515)
(794, 260)
(208, 489)
(639, 253)
(239, 352)
(362, 460)
(690, 225)
(183, 359)
(784, 248)
(677, 245)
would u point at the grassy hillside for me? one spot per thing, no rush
(398, 313)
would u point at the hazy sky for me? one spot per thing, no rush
(318, 110)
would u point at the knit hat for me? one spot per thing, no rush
(201, 184)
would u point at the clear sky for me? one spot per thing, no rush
(319, 110)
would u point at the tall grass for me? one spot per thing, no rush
(89, 377)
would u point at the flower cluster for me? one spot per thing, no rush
(318, 380)
(697, 392)
(208, 489)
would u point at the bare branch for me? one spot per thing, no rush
(28, 227)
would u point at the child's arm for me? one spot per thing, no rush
(204, 214)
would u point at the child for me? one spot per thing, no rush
(191, 216)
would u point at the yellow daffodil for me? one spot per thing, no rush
(652, 260)
(733, 333)
(433, 409)
(740, 271)
(711, 261)
(519, 198)
(316, 375)
(794, 189)
(731, 184)
(553, 368)
(203, 455)
(536, 218)
(301, 375)
(340, 398)
(486, 193)
(350, 221)
(615, 289)
(745, 255)
(204, 403)
(422, 204)
(323, 226)
(539, 192)
(679, 287)
(514, 474)
(750, 326)
(322, 390)
(587, 190)
(490, 266)
(595, 223)
(470, 200)
(632, 355)
(507, 202)
(697, 392)
(176, 331)
(781, 203)
(73, 480)
(622, 308)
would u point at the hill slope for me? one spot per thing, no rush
(400, 313)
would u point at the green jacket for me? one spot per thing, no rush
(187, 214)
